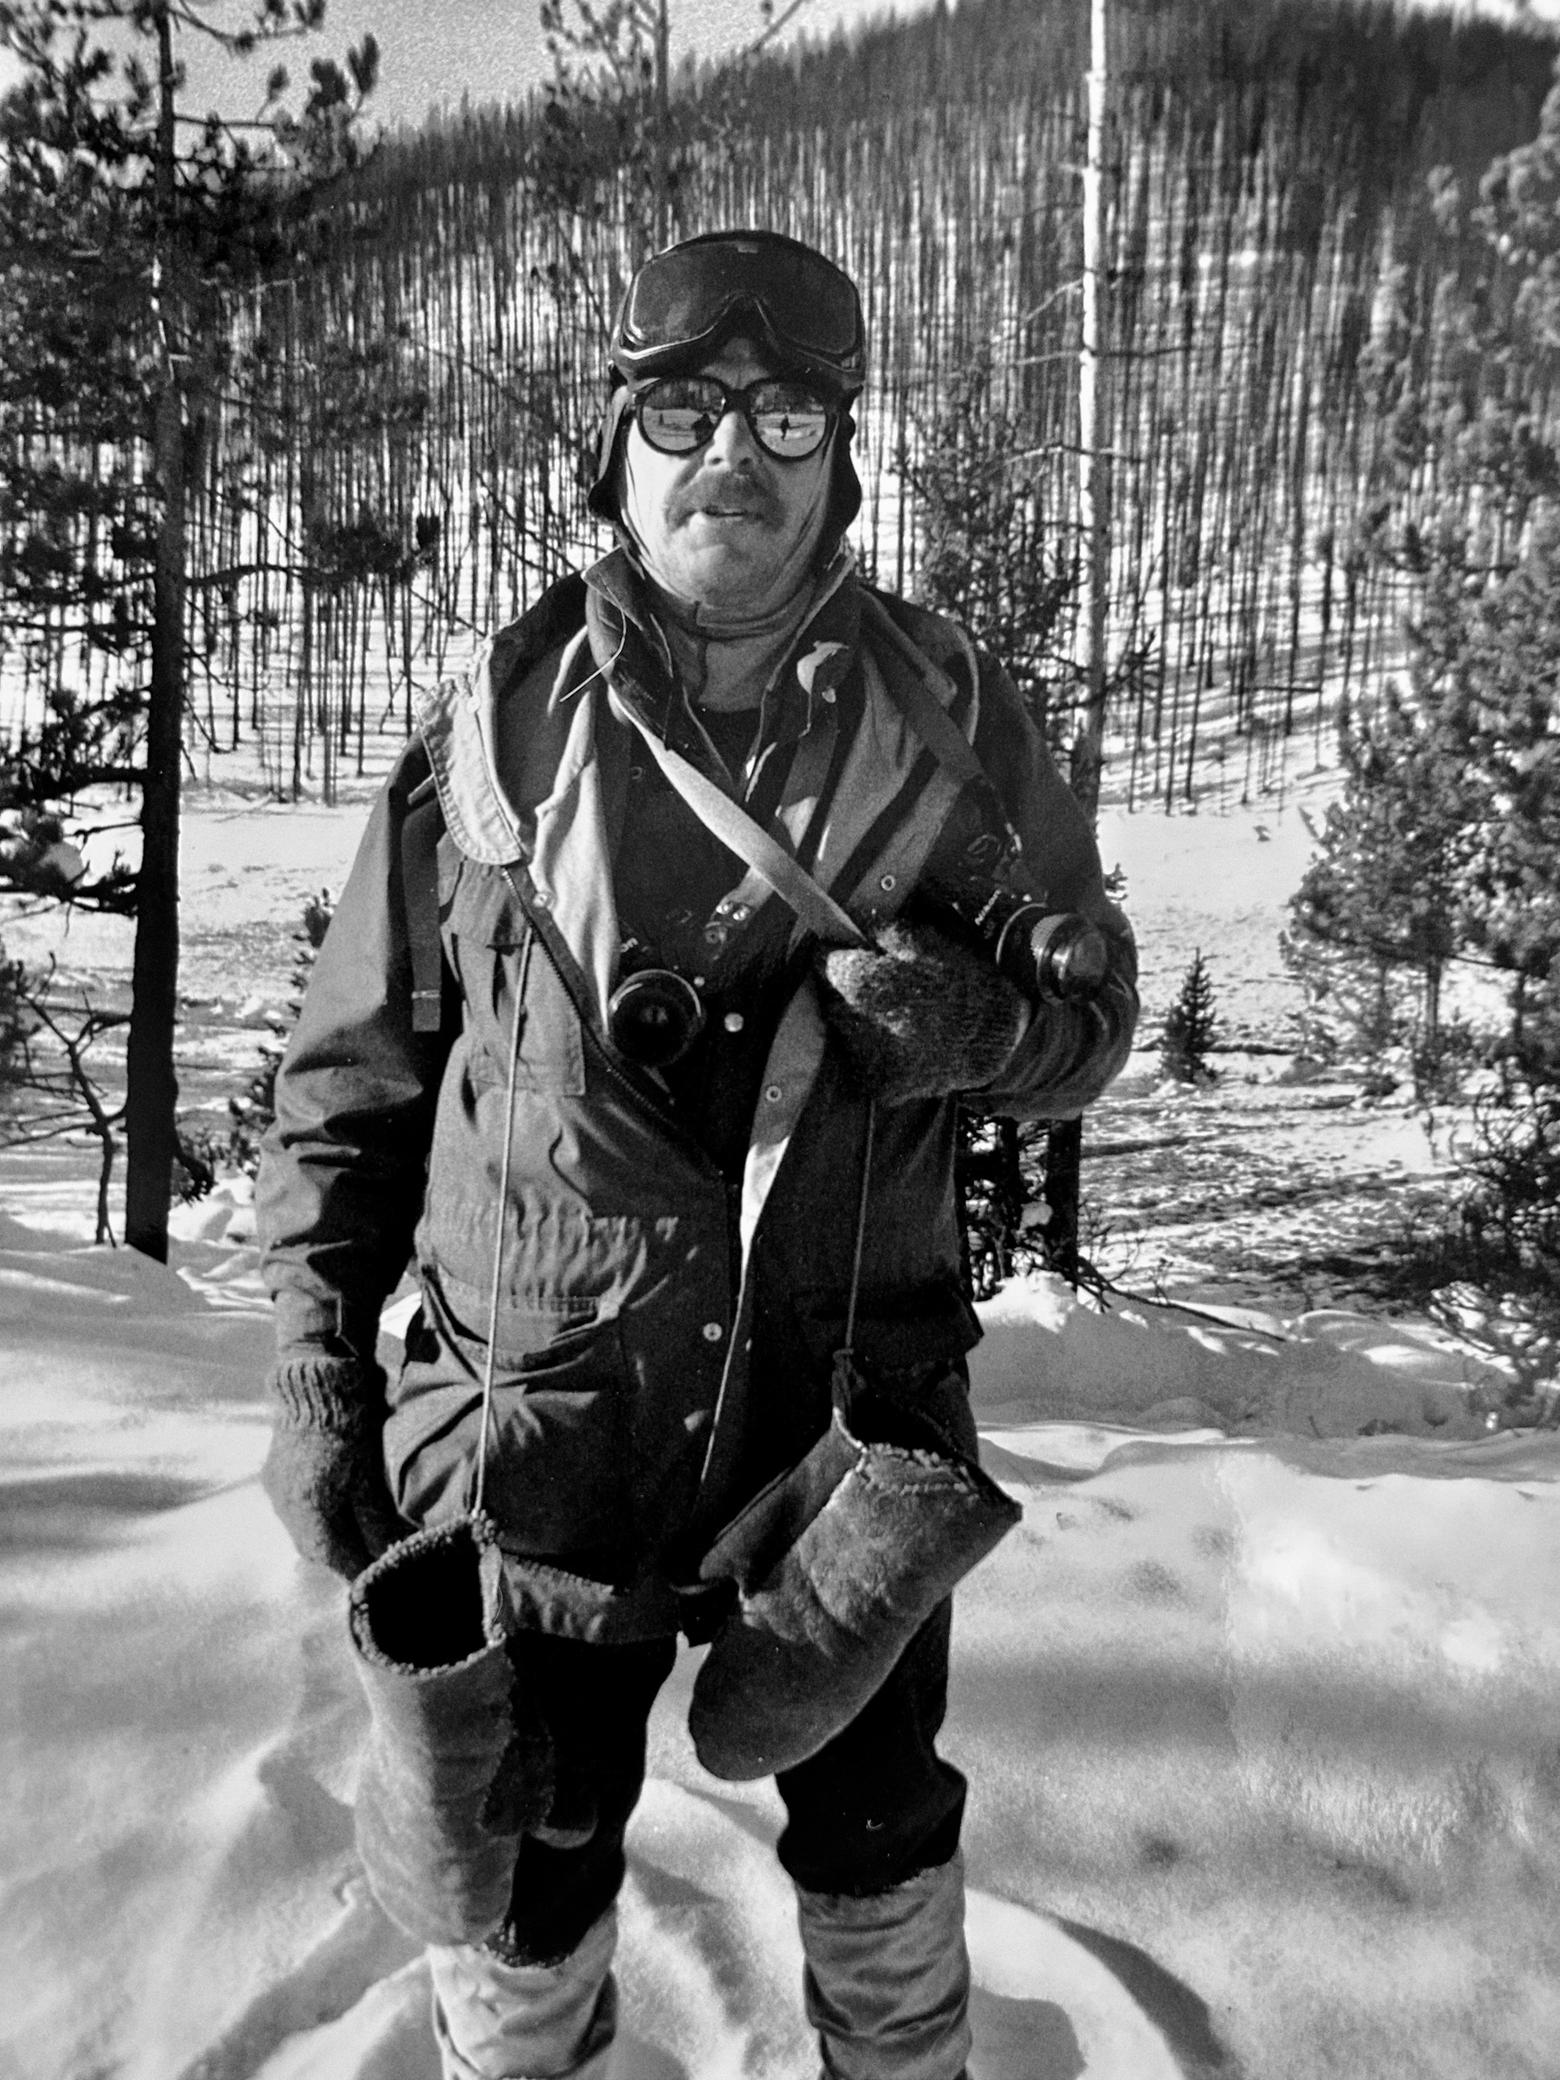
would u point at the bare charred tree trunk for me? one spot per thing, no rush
(663, 118)
(151, 1094)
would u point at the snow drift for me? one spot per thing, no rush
(1260, 1728)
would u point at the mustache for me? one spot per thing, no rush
(743, 495)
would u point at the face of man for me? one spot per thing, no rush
(728, 528)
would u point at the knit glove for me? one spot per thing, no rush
(919, 1014)
(324, 1473)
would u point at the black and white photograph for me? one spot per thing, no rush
(779, 1039)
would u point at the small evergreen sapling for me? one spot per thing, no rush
(1191, 1028)
(255, 1110)
(18, 1022)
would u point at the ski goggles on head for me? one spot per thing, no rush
(792, 302)
(679, 414)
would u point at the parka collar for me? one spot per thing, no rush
(621, 643)
(631, 650)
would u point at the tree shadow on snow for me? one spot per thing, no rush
(1024, 2039)
(647, 2061)
(75, 1512)
(1180, 2015)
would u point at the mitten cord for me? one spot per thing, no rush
(846, 1352)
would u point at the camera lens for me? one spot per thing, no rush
(1054, 957)
(1070, 958)
(654, 1017)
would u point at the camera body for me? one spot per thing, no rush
(1050, 956)
(971, 887)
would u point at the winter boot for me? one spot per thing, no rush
(458, 1764)
(887, 1983)
(498, 2021)
(837, 1565)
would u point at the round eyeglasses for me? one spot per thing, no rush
(679, 414)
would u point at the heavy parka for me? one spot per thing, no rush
(633, 1286)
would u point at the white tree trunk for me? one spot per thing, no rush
(1093, 433)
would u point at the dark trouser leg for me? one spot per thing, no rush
(538, 1999)
(596, 1701)
(878, 1803)
(871, 1841)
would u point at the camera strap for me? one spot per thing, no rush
(927, 715)
(770, 858)
(756, 847)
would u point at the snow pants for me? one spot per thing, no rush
(870, 1841)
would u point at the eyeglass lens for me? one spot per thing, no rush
(680, 413)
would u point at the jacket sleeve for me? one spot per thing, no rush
(342, 1171)
(1071, 1051)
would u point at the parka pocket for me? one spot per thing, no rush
(498, 956)
(552, 1046)
(557, 1458)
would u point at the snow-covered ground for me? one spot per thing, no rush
(1257, 1704)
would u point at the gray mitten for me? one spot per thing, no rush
(324, 1473)
(920, 1014)
(459, 1762)
(837, 1566)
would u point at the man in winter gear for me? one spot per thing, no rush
(637, 1032)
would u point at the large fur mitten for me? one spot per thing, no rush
(920, 1015)
(324, 1473)
(837, 1566)
(459, 1762)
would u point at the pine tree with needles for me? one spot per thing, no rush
(1191, 1028)
(17, 1024)
(127, 228)
(251, 1114)
(988, 561)
(1384, 895)
(1469, 791)
(1444, 844)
